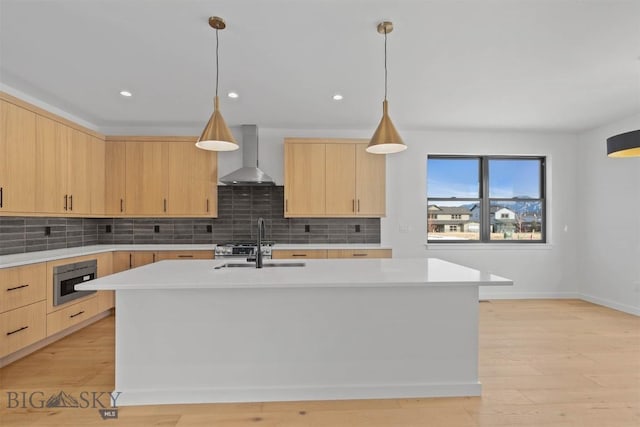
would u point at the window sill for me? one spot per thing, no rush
(489, 246)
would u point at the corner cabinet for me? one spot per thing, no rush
(333, 178)
(160, 176)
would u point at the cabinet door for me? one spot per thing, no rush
(78, 181)
(17, 154)
(340, 179)
(139, 259)
(299, 254)
(22, 327)
(184, 255)
(359, 253)
(304, 176)
(191, 180)
(146, 178)
(115, 177)
(97, 175)
(52, 143)
(121, 261)
(370, 183)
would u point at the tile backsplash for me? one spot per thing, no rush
(239, 207)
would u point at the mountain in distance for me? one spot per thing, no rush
(62, 400)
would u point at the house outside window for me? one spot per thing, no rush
(487, 199)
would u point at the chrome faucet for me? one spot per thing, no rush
(259, 243)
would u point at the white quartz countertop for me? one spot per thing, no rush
(202, 274)
(16, 260)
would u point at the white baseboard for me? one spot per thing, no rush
(528, 295)
(611, 304)
(281, 394)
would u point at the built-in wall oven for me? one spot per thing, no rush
(65, 277)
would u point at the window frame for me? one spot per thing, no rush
(484, 201)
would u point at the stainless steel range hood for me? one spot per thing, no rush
(249, 173)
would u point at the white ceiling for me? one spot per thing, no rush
(548, 65)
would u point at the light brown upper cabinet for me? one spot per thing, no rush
(69, 170)
(164, 176)
(97, 175)
(115, 177)
(304, 179)
(333, 178)
(193, 177)
(146, 178)
(17, 154)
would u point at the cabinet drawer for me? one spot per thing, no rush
(22, 327)
(359, 253)
(184, 255)
(299, 254)
(74, 314)
(20, 286)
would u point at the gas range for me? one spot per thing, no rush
(242, 250)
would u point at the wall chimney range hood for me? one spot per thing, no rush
(249, 173)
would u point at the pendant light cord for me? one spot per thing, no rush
(217, 69)
(385, 64)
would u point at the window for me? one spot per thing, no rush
(486, 199)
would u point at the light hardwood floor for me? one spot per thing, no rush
(547, 363)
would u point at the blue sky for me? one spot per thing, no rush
(459, 178)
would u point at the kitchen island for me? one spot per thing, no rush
(188, 332)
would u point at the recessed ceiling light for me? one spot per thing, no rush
(232, 95)
(125, 93)
(337, 97)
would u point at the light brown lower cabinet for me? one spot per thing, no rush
(72, 315)
(301, 254)
(330, 253)
(359, 253)
(184, 255)
(20, 286)
(22, 327)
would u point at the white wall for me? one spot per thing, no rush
(609, 241)
(538, 270)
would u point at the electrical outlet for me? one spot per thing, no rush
(156, 228)
(47, 231)
(209, 229)
(307, 228)
(107, 228)
(357, 228)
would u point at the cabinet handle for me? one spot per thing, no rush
(66, 202)
(77, 314)
(130, 260)
(358, 205)
(71, 202)
(353, 205)
(286, 205)
(298, 254)
(165, 205)
(207, 205)
(121, 205)
(1, 194)
(17, 330)
(17, 287)
(185, 256)
(359, 254)
(153, 257)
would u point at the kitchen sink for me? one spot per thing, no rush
(265, 265)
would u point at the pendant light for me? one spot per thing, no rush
(386, 139)
(216, 136)
(624, 145)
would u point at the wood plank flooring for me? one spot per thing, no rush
(543, 363)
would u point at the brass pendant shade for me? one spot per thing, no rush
(624, 145)
(386, 139)
(216, 135)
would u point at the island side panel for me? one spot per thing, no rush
(249, 345)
